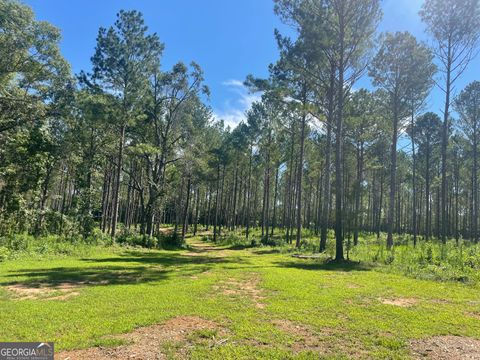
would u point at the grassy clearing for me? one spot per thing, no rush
(266, 303)
(429, 260)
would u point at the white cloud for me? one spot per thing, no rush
(231, 117)
(233, 83)
(234, 109)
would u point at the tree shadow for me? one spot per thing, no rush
(89, 276)
(164, 259)
(239, 247)
(267, 251)
(138, 268)
(326, 265)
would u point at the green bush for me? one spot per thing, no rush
(428, 260)
(97, 237)
(170, 241)
(276, 241)
(236, 240)
(25, 245)
(4, 253)
(131, 239)
(162, 241)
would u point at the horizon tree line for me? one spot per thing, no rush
(131, 146)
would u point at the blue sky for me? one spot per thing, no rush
(228, 38)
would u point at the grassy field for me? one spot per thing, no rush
(228, 302)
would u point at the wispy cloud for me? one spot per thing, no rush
(233, 83)
(234, 109)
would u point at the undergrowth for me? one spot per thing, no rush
(430, 260)
(427, 260)
(19, 246)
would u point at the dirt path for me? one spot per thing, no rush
(174, 337)
(199, 248)
(154, 342)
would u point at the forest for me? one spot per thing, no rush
(126, 163)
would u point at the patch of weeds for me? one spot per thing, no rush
(4, 253)
(234, 240)
(170, 349)
(429, 259)
(390, 343)
(203, 334)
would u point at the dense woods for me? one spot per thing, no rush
(129, 146)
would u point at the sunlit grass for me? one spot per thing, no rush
(341, 303)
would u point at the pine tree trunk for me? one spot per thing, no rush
(414, 181)
(116, 190)
(338, 149)
(393, 180)
(215, 221)
(299, 178)
(197, 208)
(328, 152)
(185, 210)
(445, 144)
(274, 217)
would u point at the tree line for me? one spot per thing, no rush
(131, 146)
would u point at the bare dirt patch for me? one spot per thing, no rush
(205, 249)
(166, 231)
(440, 301)
(402, 302)
(147, 343)
(192, 253)
(475, 315)
(306, 339)
(205, 233)
(446, 348)
(60, 291)
(325, 342)
(248, 287)
(353, 286)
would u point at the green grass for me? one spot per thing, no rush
(429, 260)
(340, 303)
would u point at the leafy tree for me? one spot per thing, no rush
(351, 25)
(401, 66)
(467, 104)
(428, 132)
(35, 86)
(32, 70)
(454, 26)
(124, 58)
(362, 128)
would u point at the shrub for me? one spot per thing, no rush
(131, 239)
(170, 241)
(97, 237)
(4, 253)
(19, 242)
(236, 240)
(390, 258)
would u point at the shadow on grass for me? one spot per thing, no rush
(267, 251)
(164, 259)
(240, 247)
(95, 275)
(137, 268)
(325, 265)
